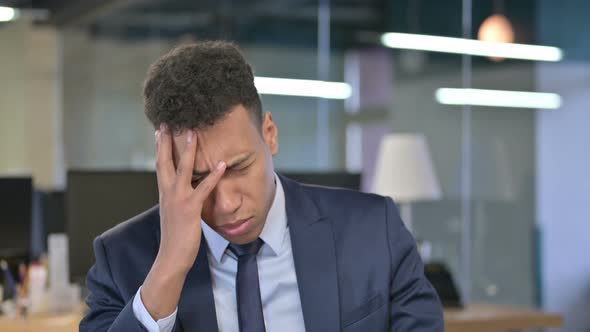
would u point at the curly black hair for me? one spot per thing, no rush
(193, 86)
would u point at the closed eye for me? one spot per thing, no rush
(235, 169)
(239, 169)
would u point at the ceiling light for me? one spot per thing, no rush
(496, 28)
(470, 47)
(302, 88)
(8, 14)
(498, 98)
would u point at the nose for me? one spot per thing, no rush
(227, 199)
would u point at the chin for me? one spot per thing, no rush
(248, 237)
(242, 239)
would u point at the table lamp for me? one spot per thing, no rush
(404, 172)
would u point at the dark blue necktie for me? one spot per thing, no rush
(250, 315)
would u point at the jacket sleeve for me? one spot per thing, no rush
(415, 306)
(107, 309)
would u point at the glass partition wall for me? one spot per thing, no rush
(482, 226)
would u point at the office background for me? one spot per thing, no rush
(513, 221)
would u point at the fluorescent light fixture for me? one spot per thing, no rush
(498, 98)
(303, 88)
(471, 47)
(8, 14)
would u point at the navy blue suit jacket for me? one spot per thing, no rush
(357, 268)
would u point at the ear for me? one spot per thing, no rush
(270, 133)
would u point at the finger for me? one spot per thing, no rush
(164, 162)
(187, 159)
(202, 191)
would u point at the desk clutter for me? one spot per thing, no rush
(39, 297)
(39, 287)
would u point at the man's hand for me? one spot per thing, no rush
(180, 204)
(180, 222)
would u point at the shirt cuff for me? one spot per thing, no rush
(141, 313)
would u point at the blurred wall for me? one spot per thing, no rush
(104, 125)
(13, 145)
(563, 145)
(30, 103)
(502, 145)
(104, 122)
(563, 163)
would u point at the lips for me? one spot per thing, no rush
(234, 224)
(237, 228)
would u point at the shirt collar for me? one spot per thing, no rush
(272, 233)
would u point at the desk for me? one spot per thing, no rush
(474, 318)
(494, 318)
(45, 323)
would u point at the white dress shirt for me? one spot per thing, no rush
(281, 304)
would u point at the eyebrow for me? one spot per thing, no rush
(231, 164)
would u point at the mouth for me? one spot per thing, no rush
(237, 228)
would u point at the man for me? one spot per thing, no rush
(232, 246)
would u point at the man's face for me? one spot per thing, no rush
(237, 207)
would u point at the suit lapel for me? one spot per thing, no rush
(314, 253)
(196, 309)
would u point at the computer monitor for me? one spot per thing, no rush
(328, 179)
(441, 279)
(16, 195)
(97, 201)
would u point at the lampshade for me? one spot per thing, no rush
(404, 169)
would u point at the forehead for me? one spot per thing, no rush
(234, 135)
